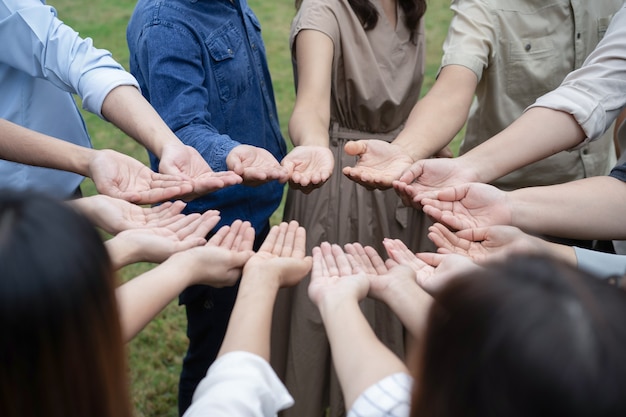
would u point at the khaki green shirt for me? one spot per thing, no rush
(520, 50)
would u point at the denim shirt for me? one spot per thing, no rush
(202, 65)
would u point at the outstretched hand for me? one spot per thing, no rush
(114, 215)
(186, 161)
(121, 176)
(485, 243)
(255, 165)
(379, 164)
(385, 277)
(432, 270)
(157, 243)
(468, 206)
(308, 167)
(336, 275)
(219, 262)
(431, 174)
(281, 257)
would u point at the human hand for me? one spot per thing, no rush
(255, 165)
(157, 243)
(334, 278)
(431, 174)
(485, 243)
(121, 176)
(281, 258)
(308, 167)
(182, 160)
(468, 206)
(379, 164)
(387, 279)
(114, 215)
(432, 270)
(220, 261)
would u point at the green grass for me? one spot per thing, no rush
(155, 355)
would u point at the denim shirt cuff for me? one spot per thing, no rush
(216, 157)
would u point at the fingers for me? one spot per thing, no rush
(355, 147)
(285, 240)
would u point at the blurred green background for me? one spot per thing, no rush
(155, 355)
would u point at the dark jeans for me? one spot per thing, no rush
(208, 311)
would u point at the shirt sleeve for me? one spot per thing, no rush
(594, 94)
(175, 80)
(239, 384)
(42, 46)
(315, 15)
(390, 397)
(604, 265)
(470, 37)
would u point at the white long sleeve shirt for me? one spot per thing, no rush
(239, 384)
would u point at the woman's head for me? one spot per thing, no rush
(61, 346)
(528, 337)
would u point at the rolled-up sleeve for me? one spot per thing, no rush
(42, 46)
(595, 93)
(239, 384)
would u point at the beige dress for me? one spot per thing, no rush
(377, 76)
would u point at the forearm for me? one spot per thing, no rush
(537, 134)
(440, 114)
(359, 357)
(308, 127)
(582, 209)
(142, 298)
(22, 145)
(411, 304)
(121, 253)
(127, 109)
(250, 321)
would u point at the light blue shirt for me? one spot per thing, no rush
(42, 63)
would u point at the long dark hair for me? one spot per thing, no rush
(368, 15)
(529, 337)
(61, 347)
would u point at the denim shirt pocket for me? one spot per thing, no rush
(230, 61)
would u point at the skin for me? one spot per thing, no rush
(590, 204)
(217, 263)
(495, 242)
(126, 108)
(424, 135)
(113, 173)
(537, 134)
(311, 162)
(279, 262)
(114, 215)
(158, 243)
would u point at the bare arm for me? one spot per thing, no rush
(280, 262)
(540, 132)
(582, 209)
(218, 264)
(440, 114)
(19, 144)
(359, 357)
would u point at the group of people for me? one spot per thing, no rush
(468, 314)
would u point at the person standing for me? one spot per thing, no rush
(43, 65)
(359, 68)
(499, 57)
(202, 65)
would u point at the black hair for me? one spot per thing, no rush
(527, 337)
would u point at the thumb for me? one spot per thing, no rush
(355, 147)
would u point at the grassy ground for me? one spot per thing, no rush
(155, 355)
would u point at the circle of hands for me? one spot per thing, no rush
(472, 219)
